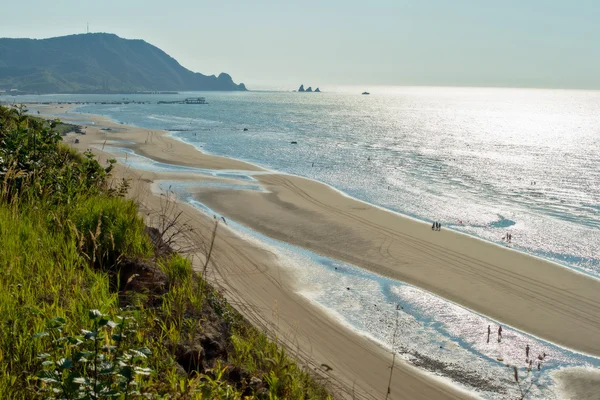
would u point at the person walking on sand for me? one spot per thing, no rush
(433, 226)
(439, 226)
(499, 333)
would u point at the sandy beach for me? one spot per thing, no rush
(530, 294)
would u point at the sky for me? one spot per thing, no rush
(268, 44)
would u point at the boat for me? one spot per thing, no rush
(366, 93)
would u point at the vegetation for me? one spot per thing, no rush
(91, 309)
(97, 62)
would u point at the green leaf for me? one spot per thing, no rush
(48, 377)
(145, 350)
(74, 341)
(103, 321)
(81, 356)
(90, 335)
(126, 372)
(40, 335)
(65, 363)
(142, 371)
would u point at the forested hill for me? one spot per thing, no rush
(97, 62)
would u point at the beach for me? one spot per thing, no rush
(547, 300)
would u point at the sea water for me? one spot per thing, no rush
(485, 162)
(431, 154)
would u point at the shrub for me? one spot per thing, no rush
(100, 363)
(108, 229)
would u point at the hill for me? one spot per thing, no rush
(97, 63)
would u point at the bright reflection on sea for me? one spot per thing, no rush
(481, 161)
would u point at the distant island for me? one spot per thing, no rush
(309, 90)
(97, 63)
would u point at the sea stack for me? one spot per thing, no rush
(317, 90)
(301, 88)
(309, 89)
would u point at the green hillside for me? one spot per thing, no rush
(97, 62)
(96, 305)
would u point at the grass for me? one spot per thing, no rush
(88, 306)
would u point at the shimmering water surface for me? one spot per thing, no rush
(481, 161)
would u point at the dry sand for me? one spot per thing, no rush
(536, 296)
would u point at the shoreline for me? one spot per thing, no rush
(257, 167)
(259, 237)
(189, 159)
(257, 286)
(399, 213)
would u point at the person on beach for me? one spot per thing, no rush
(433, 226)
(489, 333)
(439, 226)
(510, 237)
(499, 333)
(527, 352)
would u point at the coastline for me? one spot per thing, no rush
(257, 285)
(451, 227)
(308, 206)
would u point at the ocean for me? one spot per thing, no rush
(484, 162)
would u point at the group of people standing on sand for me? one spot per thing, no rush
(508, 237)
(540, 357)
(499, 333)
(436, 226)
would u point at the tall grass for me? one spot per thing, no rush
(66, 236)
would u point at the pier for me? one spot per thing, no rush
(189, 100)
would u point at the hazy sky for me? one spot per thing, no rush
(532, 43)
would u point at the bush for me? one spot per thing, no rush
(100, 363)
(108, 229)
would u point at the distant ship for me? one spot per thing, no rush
(366, 93)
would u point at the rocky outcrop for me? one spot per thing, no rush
(308, 90)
